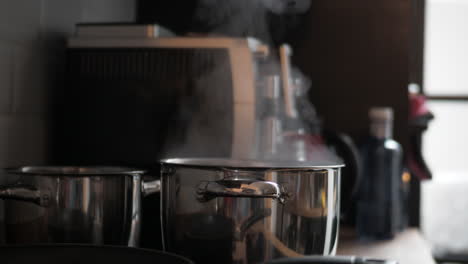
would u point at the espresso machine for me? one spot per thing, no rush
(134, 100)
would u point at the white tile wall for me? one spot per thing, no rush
(32, 38)
(20, 20)
(5, 78)
(32, 34)
(3, 155)
(30, 95)
(23, 140)
(4, 131)
(99, 11)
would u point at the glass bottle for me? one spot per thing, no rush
(379, 195)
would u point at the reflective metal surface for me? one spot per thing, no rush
(150, 187)
(250, 215)
(27, 193)
(72, 205)
(216, 163)
(331, 260)
(72, 171)
(240, 188)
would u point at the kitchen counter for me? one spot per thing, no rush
(408, 247)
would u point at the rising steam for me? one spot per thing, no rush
(299, 140)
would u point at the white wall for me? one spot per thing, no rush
(445, 198)
(445, 47)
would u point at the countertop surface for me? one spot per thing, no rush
(408, 247)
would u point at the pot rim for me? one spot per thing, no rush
(250, 164)
(74, 170)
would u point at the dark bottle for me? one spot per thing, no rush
(379, 190)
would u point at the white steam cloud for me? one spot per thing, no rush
(298, 140)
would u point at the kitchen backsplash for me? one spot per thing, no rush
(32, 39)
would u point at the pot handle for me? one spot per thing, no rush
(208, 190)
(26, 193)
(150, 187)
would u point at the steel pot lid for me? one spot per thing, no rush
(73, 170)
(251, 164)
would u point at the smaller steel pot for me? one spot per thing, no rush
(97, 205)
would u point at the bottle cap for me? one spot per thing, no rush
(414, 88)
(381, 113)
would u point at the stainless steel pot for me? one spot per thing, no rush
(98, 205)
(234, 211)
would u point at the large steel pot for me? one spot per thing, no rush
(97, 205)
(234, 211)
